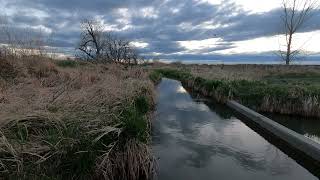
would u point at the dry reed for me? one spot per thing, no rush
(62, 122)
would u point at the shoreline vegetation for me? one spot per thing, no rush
(286, 90)
(74, 120)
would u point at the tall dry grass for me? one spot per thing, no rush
(239, 72)
(68, 122)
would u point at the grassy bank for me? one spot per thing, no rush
(70, 120)
(288, 95)
(250, 72)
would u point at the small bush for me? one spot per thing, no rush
(155, 76)
(142, 105)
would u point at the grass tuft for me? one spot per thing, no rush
(134, 120)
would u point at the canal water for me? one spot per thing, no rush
(309, 127)
(195, 141)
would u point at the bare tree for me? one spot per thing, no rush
(92, 40)
(98, 45)
(120, 51)
(295, 15)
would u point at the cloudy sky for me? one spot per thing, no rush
(169, 29)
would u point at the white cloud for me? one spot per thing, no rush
(258, 5)
(140, 44)
(42, 28)
(149, 12)
(167, 27)
(254, 6)
(124, 16)
(302, 41)
(197, 45)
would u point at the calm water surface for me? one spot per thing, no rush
(309, 127)
(193, 141)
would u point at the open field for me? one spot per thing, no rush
(291, 90)
(242, 71)
(71, 120)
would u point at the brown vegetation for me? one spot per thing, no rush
(240, 72)
(73, 122)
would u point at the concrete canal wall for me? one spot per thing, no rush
(297, 141)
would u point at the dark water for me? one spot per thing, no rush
(193, 141)
(309, 127)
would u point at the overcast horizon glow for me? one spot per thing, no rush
(168, 29)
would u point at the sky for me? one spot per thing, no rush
(170, 29)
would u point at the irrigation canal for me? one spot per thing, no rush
(195, 139)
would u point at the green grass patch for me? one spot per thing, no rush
(134, 120)
(304, 79)
(170, 73)
(67, 63)
(155, 76)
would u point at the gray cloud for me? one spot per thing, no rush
(168, 22)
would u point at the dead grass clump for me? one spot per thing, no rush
(7, 70)
(81, 113)
(22, 143)
(306, 105)
(38, 147)
(40, 68)
(130, 162)
(55, 80)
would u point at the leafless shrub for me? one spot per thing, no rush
(21, 42)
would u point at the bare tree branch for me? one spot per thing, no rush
(101, 46)
(295, 14)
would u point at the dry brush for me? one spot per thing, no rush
(78, 121)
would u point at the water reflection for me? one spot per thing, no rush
(193, 141)
(309, 127)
